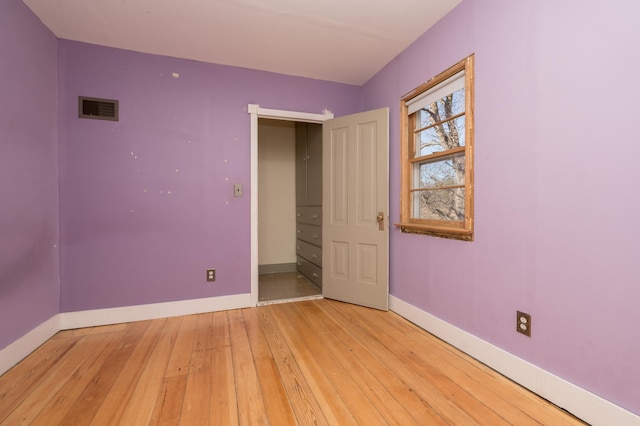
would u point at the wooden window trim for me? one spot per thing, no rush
(462, 230)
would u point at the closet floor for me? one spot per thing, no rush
(285, 285)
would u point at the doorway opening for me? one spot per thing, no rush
(289, 190)
(289, 120)
(354, 237)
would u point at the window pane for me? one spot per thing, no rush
(437, 155)
(442, 109)
(438, 174)
(439, 204)
(442, 137)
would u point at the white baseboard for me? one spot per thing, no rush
(96, 317)
(22, 347)
(576, 400)
(582, 403)
(16, 351)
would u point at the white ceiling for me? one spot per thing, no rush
(345, 41)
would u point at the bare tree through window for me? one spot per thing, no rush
(438, 180)
(441, 129)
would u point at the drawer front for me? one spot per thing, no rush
(310, 252)
(309, 233)
(310, 215)
(311, 271)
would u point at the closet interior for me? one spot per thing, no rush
(289, 209)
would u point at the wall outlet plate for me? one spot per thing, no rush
(211, 275)
(523, 323)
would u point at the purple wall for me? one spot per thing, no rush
(29, 278)
(556, 186)
(147, 202)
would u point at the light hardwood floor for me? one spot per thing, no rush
(314, 362)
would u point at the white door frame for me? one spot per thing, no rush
(257, 112)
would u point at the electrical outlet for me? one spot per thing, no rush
(211, 275)
(523, 323)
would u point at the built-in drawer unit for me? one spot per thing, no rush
(308, 138)
(309, 251)
(310, 215)
(311, 271)
(309, 233)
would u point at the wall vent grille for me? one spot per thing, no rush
(97, 109)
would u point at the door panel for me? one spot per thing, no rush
(367, 207)
(340, 260)
(338, 166)
(367, 255)
(356, 176)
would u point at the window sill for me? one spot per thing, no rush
(438, 232)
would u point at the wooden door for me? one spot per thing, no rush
(355, 204)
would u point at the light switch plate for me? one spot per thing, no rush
(237, 190)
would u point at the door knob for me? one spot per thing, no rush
(380, 219)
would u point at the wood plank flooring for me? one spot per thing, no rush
(316, 362)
